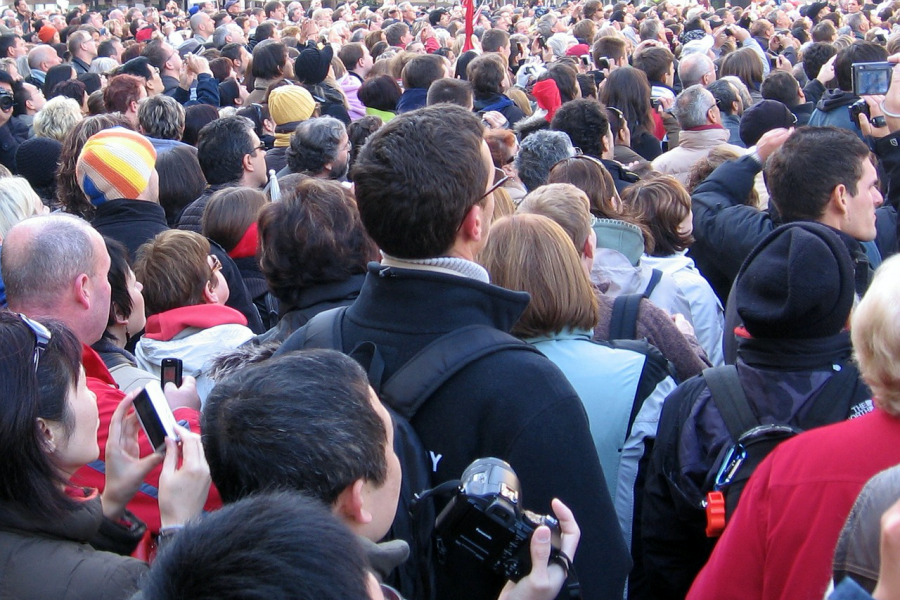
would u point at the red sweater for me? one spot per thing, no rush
(143, 505)
(780, 543)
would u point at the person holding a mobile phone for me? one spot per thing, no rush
(47, 520)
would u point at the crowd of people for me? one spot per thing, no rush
(629, 266)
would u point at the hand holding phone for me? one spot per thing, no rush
(155, 416)
(170, 372)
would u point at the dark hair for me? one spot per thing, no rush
(781, 86)
(120, 264)
(329, 433)
(380, 93)
(454, 91)
(858, 52)
(486, 74)
(229, 92)
(655, 62)
(264, 31)
(29, 480)
(350, 54)
(269, 60)
(587, 85)
(221, 148)
(121, 91)
(281, 546)
(609, 47)
(68, 192)
(232, 51)
(20, 97)
(257, 113)
(229, 213)
(359, 131)
(197, 117)
(803, 172)
(661, 204)
(566, 79)
(725, 94)
(139, 67)
(494, 39)
(422, 71)
(462, 64)
(744, 64)
(181, 180)
(106, 48)
(91, 82)
(815, 56)
(584, 120)
(628, 90)
(220, 68)
(417, 177)
(313, 236)
(156, 54)
(7, 41)
(57, 74)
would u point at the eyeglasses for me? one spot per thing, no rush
(500, 177)
(260, 148)
(41, 338)
(216, 264)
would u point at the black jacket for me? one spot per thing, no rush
(68, 558)
(192, 215)
(646, 144)
(312, 301)
(131, 222)
(781, 379)
(803, 112)
(513, 405)
(622, 177)
(331, 102)
(12, 134)
(501, 104)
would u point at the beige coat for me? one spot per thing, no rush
(692, 146)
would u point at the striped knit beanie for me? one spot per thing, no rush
(115, 163)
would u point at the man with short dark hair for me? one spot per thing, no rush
(454, 91)
(29, 100)
(319, 148)
(832, 108)
(424, 188)
(819, 174)
(418, 75)
(783, 87)
(496, 40)
(179, 76)
(12, 131)
(230, 155)
(12, 46)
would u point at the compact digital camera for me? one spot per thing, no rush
(485, 518)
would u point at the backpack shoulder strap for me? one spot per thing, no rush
(833, 402)
(436, 363)
(324, 330)
(623, 322)
(655, 276)
(729, 397)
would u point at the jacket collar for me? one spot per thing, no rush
(430, 301)
(702, 138)
(122, 209)
(79, 525)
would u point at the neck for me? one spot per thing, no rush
(119, 335)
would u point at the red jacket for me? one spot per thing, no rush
(780, 543)
(144, 504)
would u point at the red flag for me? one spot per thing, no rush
(470, 26)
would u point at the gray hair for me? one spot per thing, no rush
(692, 106)
(36, 269)
(538, 153)
(854, 20)
(693, 67)
(315, 143)
(560, 42)
(221, 32)
(161, 117)
(650, 29)
(546, 24)
(103, 64)
(58, 117)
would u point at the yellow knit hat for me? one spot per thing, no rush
(115, 163)
(290, 103)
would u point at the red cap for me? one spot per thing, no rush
(46, 33)
(578, 50)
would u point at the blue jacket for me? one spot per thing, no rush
(412, 99)
(833, 109)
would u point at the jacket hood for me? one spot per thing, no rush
(622, 237)
(166, 325)
(495, 102)
(834, 99)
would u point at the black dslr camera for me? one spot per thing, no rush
(6, 100)
(485, 518)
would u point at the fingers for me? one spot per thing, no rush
(571, 533)
(540, 554)
(118, 417)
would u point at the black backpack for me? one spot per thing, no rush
(753, 440)
(623, 322)
(403, 394)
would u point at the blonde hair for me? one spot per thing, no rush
(875, 331)
(58, 117)
(533, 254)
(564, 204)
(17, 202)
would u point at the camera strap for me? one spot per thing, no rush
(572, 587)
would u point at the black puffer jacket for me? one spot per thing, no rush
(64, 559)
